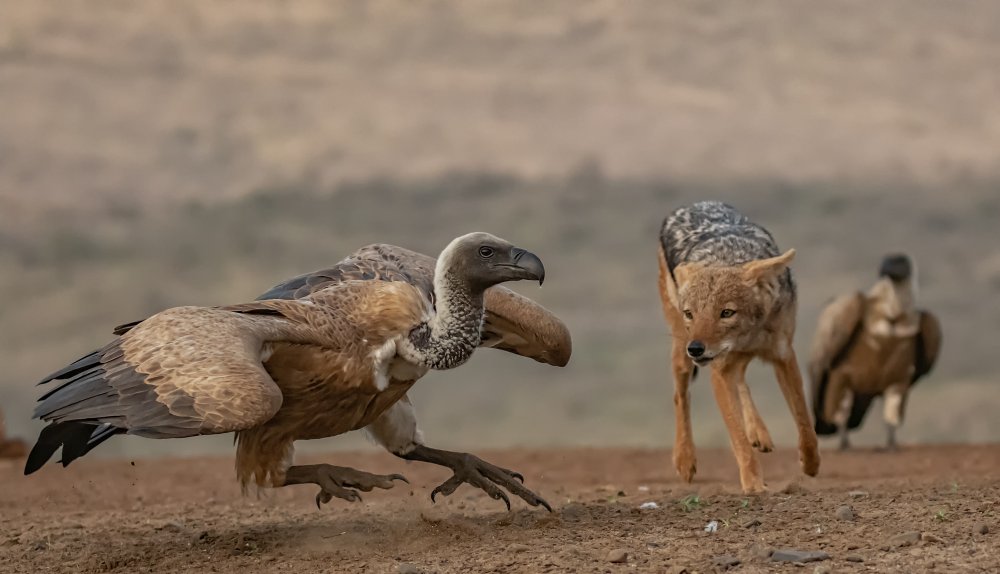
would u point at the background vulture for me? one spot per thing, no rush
(870, 345)
(316, 356)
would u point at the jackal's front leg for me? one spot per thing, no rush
(756, 430)
(684, 457)
(790, 380)
(725, 383)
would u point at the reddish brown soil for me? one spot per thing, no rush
(187, 515)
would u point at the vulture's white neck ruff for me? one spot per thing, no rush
(454, 332)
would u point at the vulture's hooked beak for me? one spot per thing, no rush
(529, 263)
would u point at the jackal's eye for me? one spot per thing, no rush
(688, 314)
(727, 313)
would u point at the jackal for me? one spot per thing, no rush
(728, 297)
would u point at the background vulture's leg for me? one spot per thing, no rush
(338, 481)
(397, 431)
(845, 443)
(843, 414)
(894, 397)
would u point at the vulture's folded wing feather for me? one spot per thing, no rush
(928, 345)
(838, 326)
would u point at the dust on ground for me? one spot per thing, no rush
(919, 510)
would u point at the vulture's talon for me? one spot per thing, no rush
(339, 481)
(476, 472)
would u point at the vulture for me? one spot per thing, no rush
(316, 356)
(869, 345)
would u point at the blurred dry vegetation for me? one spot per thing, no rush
(186, 152)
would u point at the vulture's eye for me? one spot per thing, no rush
(486, 252)
(727, 313)
(688, 314)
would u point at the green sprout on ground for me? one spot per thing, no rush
(941, 515)
(690, 502)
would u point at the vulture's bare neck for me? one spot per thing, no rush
(452, 335)
(894, 298)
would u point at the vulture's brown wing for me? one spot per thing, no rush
(194, 370)
(512, 323)
(839, 325)
(928, 345)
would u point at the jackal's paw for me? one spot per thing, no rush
(761, 439)
(755, 488)
(809, 460)
(686, 465)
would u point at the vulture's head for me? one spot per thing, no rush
(482, 260)
(896, 266)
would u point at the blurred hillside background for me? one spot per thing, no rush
(171, 152)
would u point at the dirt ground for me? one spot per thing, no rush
(187, 515)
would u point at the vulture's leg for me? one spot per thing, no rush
(895, 396)
(397, 431)
(845, 443)
(470, 469)
(338, 481)
(843, 414)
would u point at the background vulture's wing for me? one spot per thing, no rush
(928, 345)
(839, 325)
(512, 323)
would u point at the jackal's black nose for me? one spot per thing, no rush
(696, 349)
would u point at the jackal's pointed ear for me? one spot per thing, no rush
(763, 269)
(684, 272)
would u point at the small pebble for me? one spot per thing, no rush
(803, 556)
(518, 548)
(854, 558)
(981, 529)
(725, 562)
(857, 494)
(928, 537)
(905, 539)
(751, 523)
(406, 568)
(618, 556)
(845, 513)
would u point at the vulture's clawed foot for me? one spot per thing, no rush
(339, 481)
(471, 469)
